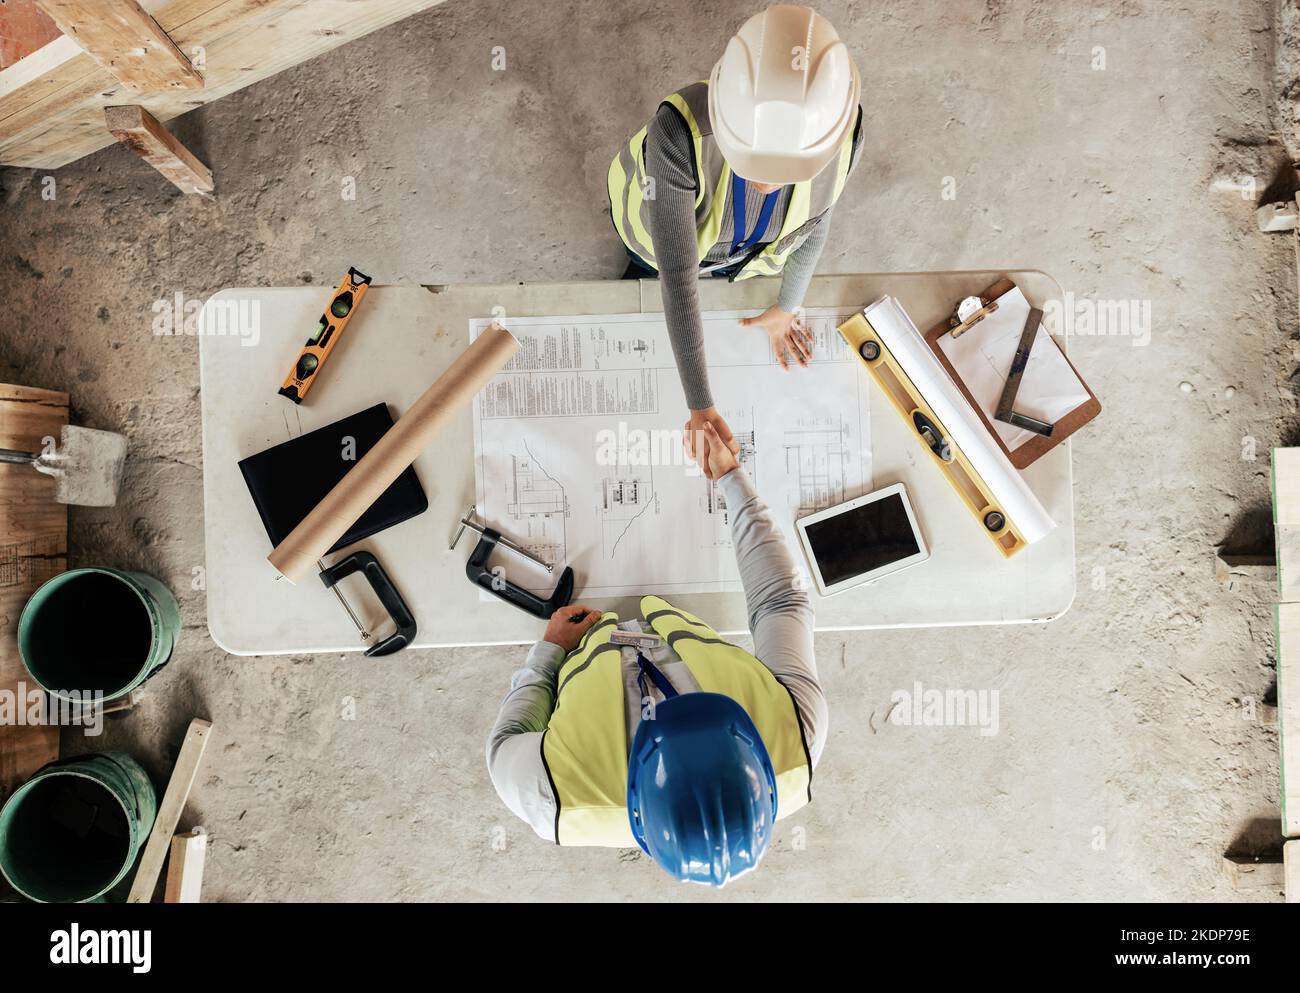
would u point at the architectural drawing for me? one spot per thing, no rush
(579, 455)
(819, 463)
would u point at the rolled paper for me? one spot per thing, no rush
(1007, 487)
(401, 445)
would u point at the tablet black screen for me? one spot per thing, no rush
(862, 540)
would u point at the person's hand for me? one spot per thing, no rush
(721, 459)
(698, 440)
(787, 332)
(568, 624)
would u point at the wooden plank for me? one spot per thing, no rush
(243, 41)
(24, 28)
(1286, 522)
(1245, 872)
(59, 114)
(1288, 707)
(41, 73)
(184, 773)
(185, 867)
(33, 548)
(122, 37)
(136, 128)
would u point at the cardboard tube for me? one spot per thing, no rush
(366, 481)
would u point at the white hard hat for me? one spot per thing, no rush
(783, 95)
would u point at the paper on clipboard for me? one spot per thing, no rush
(1050, 388)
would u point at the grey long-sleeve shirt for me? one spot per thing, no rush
(671, 216)
(780, 619)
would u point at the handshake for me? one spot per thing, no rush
(709, 442)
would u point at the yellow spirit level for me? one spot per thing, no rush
(903, 394)
(342, 306)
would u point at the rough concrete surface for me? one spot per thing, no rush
(1125, 765)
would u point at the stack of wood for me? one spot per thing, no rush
(33, 548)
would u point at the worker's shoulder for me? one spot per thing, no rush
(669, 137)
(670, 125)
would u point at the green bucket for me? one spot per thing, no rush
(73, 831)
(97, 631)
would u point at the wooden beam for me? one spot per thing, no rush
(137, 129)
(185, 867)
(54, 116)
(123, 38)
(33, 548)
(184, 773)
(1288, 706)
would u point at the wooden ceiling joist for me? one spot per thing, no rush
(52, 102)
(139, 131)
(123, 38)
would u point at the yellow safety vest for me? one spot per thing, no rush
(630, 188)
(585, 746)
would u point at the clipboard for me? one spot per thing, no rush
(1035, 448)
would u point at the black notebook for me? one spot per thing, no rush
(287, 481)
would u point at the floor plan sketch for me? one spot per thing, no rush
(819, 462)
(579, 454)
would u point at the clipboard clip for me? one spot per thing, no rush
(959, 327)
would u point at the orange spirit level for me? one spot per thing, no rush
(342, 306)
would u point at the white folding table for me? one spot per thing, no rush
(403, 337)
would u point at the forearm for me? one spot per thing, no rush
(671, 217)
(681, 300)
(780, 609)
(773, 583)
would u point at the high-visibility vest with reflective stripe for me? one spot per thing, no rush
(585, 746)
(630, 188)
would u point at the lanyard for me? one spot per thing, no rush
(648, 668)
(739, 239)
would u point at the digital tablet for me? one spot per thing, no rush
(861, 540)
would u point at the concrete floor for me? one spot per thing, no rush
(1123, 768)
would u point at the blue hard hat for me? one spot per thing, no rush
(701, 791)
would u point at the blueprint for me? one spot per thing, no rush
(579, 457)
